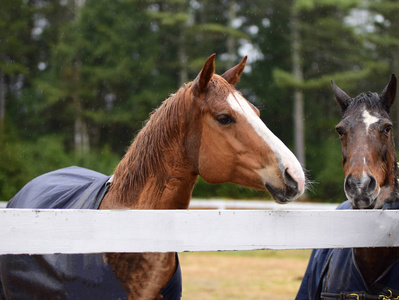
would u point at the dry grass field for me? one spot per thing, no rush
(243, 274)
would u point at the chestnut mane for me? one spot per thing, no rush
(165, 129)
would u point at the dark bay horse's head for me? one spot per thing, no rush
(368, 150)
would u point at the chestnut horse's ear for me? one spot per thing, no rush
(232, 76)
(388, 94)
(200, 84)
(342, 98)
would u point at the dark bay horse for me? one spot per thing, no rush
(206, 128)
(370, 166)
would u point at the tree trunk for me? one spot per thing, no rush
(395, 66)
(182, 57)
(81, 137)
(230, 42)
(182, 50)
(299, 122)
(2, 102)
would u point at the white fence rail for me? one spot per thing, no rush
(91, 231)
(247, 204)
(258, 204)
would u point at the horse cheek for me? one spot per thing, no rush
(214, 157)
(344, 155)
(385, 167)
(212, 169)
(192, 146)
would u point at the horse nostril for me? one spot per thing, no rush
(372, 185)
(289, 181)
(350, 184)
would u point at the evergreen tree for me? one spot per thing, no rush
(380, 30)
(323, 56)
(74, 77)
(105, 69)
(16, 50)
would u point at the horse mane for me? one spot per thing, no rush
(144, 156)
(163, 130)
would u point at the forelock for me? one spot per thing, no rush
(370, 100)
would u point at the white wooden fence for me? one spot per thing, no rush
(92, 231)
(258, 204)
(247, 204)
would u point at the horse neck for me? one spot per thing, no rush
(169, 187)
(373, 262)
(156, 172)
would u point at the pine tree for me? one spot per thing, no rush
(382, 39)
(16, 48)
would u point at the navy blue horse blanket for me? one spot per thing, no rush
(66, 276)
(334, 274)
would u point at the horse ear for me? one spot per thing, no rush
(232, 76)
(342, 98)
(389, 92)
(201, 83)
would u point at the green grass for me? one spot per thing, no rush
(261, 274)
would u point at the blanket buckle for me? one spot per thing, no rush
(383, 297)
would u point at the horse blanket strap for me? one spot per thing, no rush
(66, 276)
(334, 274)
(358, 296)
(347, 296)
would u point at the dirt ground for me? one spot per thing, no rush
(243, 274)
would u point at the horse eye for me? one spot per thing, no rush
(340, 131)
(225, 119)
(387, 129)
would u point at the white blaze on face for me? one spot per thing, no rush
(368, 120)
(285, 157)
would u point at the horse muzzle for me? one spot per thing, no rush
(288, 193)
(362, 192)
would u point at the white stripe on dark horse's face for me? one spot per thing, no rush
(368, 119)
(286, 158)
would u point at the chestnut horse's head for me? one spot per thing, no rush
(234, 144)
(368, 151)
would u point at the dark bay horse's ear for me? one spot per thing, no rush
(342, 98)
(200, 84)
(232, 76)
(388, 94)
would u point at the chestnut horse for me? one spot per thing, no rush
(370, 167)
(209, 129)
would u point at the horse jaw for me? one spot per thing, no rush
(247, 153)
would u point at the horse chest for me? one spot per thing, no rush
(373, 262)
(344, 273)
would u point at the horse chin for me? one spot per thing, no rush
(361, 203)
(282, 196)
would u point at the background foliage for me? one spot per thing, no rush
(78, 78)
